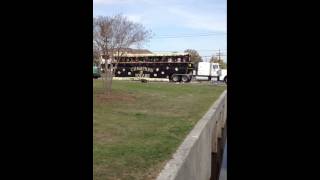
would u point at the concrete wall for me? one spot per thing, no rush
(192, 160)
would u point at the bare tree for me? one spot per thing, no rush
(96, 54)
(194, 55)
(215, 59)
(114, 35)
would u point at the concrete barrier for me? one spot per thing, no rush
(193, 158)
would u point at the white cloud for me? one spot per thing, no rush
(200, 20)
(108, 2)
(135, 18)
(112, 1)
(158, 13)
(174, 17)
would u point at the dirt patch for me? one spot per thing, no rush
(155, 171)
(104, 137)
(115, 96)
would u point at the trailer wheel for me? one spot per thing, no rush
(225, 79)
(185, 78)
(175, 78)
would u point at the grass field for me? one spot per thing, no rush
(139, 127)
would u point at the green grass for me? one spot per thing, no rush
(141, 125)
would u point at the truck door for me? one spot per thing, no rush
(204, 69)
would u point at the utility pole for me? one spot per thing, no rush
(219, 55)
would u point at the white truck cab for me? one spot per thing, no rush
(210, 71)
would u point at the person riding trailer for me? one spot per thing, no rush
(105, 58)
(108, 62)
(103, 64)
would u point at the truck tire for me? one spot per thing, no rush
(176, 78)
(185, 78)
(225, 79)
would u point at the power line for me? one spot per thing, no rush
(221, 50)
(195, 34)
(211, 56)
(186, 36)
(201, 50)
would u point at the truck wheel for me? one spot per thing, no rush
(185, 79)
(175, 78)
(225, 79)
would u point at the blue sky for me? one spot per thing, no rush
(164, 18)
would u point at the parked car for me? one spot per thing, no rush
(96, 72)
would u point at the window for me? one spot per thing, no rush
(215, 66)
